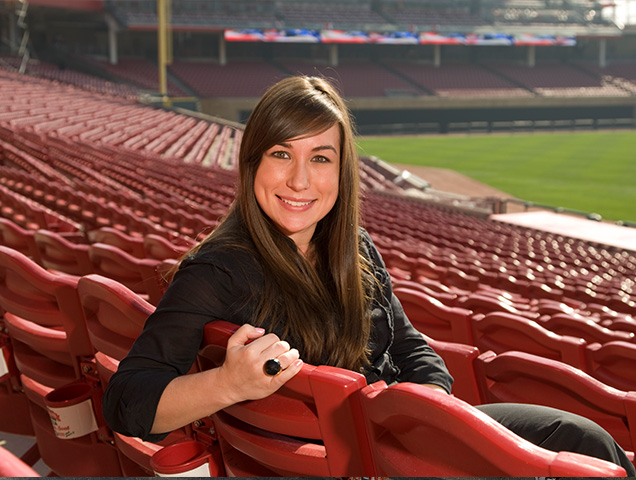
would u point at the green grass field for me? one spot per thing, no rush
(586, 171)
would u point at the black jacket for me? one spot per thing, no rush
(219, 283)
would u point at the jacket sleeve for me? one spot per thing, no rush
(168, 346)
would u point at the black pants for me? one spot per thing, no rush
(557, 430)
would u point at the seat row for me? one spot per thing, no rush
(490, 319)
(132, 261)
(140, 263)
(107, 167)
(608, 356)
(94, 187)
(483, 252)
(87, 207)
(50, 110)
(539, 303)
(64, 336)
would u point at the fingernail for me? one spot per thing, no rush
(260, 330)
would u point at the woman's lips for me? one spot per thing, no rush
(296, 204)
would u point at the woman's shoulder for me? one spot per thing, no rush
(222, 255)
(364, 236)
(368, 248)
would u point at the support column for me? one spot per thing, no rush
(437, 55)
(222, 50)
(163, 50)
(532, 55)
(112, 39)
(333, 54)
(169, 37)
(13, 34)
(602, 53)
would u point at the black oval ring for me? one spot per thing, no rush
(272, 367)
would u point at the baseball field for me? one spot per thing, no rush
(591, 171)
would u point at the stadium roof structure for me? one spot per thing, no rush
(390, 20)
(88, 5)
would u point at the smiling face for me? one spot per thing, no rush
(296, 183)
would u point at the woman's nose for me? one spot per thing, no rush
(298, 177)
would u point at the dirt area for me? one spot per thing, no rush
(450, 181)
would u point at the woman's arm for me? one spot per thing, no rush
(241, 377)
(150, 394)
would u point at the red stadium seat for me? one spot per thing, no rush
(439, 291)
(138, 274)
(583, 327)
(161, 248)
(460, 361)
(460, 279)
(61, 255)
(44, 321)
(484, 303)
(433, 318)
(111, 236)
(417, 431)
(309, 427)
(12, 466)
(613, 363)
(520, 377)
(14, 236)
(502, 332)
(114, 314)
(115, 317)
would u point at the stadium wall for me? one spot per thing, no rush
(443, 115)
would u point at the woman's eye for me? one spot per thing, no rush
(280, 154)
(321, 159)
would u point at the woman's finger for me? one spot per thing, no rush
(244, 334)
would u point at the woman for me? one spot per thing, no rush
(290, 259)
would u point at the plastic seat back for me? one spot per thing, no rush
(59, 254)
(582, 327)
(503, 332)
(161, 248)
(111, 236)
(459, 360)
(418, 431)
(114, 314)
(312, 426)
(43, 315)
(613, 363)
(138, 274)
(482, 303)
(14, 236)
(524, 378)
(46, 326)
(431, 317)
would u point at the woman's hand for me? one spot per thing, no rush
(435, 387)
(243, 374)
(241, 377)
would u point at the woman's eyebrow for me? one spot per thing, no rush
(324, 147)
(315, 149)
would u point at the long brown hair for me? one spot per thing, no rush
(321, 305)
